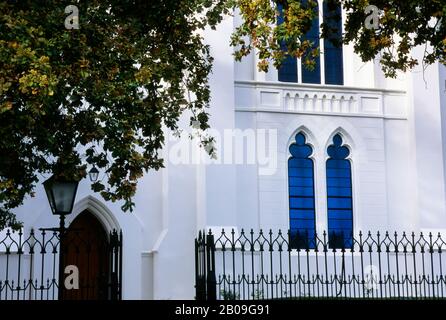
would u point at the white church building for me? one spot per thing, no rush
(340, 149)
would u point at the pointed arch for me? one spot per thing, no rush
(347, 139)
(96, 208)
(310, 138)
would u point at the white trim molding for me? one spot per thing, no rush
(274, 96)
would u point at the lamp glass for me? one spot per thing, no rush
(61, 195)
(93, 174)
(64, 194)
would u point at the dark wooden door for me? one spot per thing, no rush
(86, 246)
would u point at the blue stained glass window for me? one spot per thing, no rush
(334, 73)
(339, 195)
(301, 194)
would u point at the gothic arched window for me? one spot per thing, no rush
(301, 194)
(339, 195)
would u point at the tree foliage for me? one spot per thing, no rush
(98, 95)
(260, 31)
(101, 95)
(402, 26)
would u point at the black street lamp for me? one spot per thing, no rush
(61, 194)
(93, 174)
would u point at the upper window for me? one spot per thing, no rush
(339, 195)
(288, 70)
(314, 75)
(332, 59)
(301, 194)
(332, 45)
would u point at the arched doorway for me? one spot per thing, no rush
(87, 246)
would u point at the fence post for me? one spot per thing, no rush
(200, 276)
(211, 283)
(120, 264)
(115, 265)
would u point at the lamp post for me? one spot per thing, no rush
(61, 194)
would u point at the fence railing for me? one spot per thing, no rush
(267, 265)
(29, 265)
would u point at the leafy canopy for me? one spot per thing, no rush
(97, 95)
(402, 25)
(103, 94)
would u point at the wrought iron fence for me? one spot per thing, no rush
(265, 265)
(29, 266)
